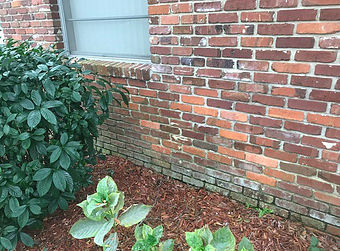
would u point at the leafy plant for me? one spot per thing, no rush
(314, 245)
(148, 239)
(49, 115)
(264, 211)
(222, 240)
(101, 210)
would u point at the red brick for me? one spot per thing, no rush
(253, 87)
(220, 84)
(161, 149)
(275, 29)
(253, 109)
(182, 51)
(271, 78)
(278, 3)
(268, 100)
(318, 28)
(193, 118)
(286, 114)
(240, 5)
(292, 168)
(333, 133)
(193, 81)
(247, 148)
(329, 96)
(311, 203)
(267, 122)
(159, 9)
(180, 89)
(231, 152)
(276, 154)
(182, 30)
(327, 198)
(219, 158)
(231, 115)
(181, 8)
(264, 142)
(261, 178)
(290, 67)
(209, 73)
(208, 7)
(160, 50)
(331, 156)
(170, 60)
(333, 230)
(295, 42)
(192, 100)
(190, 61)
(273, 55)
(257, 16)
(209, 30)
(187, 71)
(319, 164)
(323, 120)
(233, 135)
(207, 52)
(206, 92)
(296, 15)
(311, 81)
(307, 192)
(330, 177)
(168, 40)
(316, 56)
(223, 18)
(248, 128)
(307, 151)
(261, 160)
(206, 111)
(320, 2)
(181, 107)
(279, 174)
(321, 186)
(223, 41)
(193, 41)
(307, 105)
(328, 70)
(330, 42)
(219, 123)
(169, 20)
(335, 109)
(235, 96)
(220, 63)
(239, 29)
(330, 14)
(257, 41)
(289, 92)
(282, 135)
(194, 151)
(237, 53)
(219, 103)
(305, 128)
(194, 19)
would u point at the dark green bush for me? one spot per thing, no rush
(49, 115)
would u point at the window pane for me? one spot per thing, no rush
(120, 38)
(79, 9)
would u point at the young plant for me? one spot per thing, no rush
(222, 240)
(314, 245)
(264, 211)
(148, 239)
(101, 210)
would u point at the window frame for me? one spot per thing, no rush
(99, 56)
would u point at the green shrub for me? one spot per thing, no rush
(101, 210)
(147, 239)
(222, 240)
(49, 115)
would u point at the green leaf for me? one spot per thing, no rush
(245, 245)
(27, 104)
(111, 243)
(55, 155)
(167, 245)
(194, 240)
(206, 234)
(224, 240)
(99, 238)
(35, 209)
(43, 186)
(42, 174)
(6, 129)
(23, 219)
(134, 214)
(59, 180)
(24, 136)
(86, 228)
(49, 116)
(33, 119)
(106, 186)
(26, 239)
(52, 104)
(36, 98)
(65, 160)
(49, 87)
(6, 243)
(63, 138)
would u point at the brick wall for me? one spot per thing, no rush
(35, 19)
(243, 99)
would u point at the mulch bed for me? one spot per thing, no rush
(180, 208)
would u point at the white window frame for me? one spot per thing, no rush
(99, 56)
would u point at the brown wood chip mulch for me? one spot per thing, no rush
(180, 208)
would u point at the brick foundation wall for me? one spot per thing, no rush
(244, 99)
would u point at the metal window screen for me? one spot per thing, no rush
(107, 28)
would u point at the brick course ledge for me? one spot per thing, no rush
(119, 69)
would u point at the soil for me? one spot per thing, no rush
(179, 208)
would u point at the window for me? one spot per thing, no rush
(106, 28)
(1, 35)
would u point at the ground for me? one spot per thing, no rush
(180, 208)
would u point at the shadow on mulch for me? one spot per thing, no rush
(179, 208)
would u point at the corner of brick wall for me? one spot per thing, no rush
(243, 99)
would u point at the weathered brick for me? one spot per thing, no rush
(295, 42)
(317, 28)
(240, 5)
(223, 18)
(319, 164)
(311, 81)
(291, 206)
(273, 55)
(306, 192)
(278, 3)
(296, 15)
(307, 151)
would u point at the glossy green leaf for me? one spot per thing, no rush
(33, 119)
(49, 116)
(134, 214)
